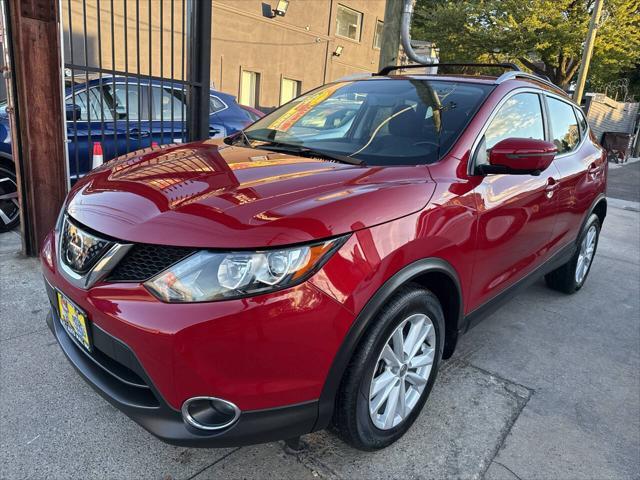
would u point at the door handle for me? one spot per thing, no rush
(552, 186)
(594, 169)
(134, 132)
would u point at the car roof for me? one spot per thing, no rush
(511, 76)
(80, 81)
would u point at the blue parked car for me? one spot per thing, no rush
(132, 113)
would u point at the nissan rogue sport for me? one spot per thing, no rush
(315, 269)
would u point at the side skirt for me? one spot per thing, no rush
(480, 313)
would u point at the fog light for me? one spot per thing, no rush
(209, 413)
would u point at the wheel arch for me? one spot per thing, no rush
(435, 274)
(6, 160)
(599, 208)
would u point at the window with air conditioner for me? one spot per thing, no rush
(348, 23)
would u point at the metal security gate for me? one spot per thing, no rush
(136, 76)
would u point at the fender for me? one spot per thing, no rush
(600, 198)
(7, 157)
(366, 317)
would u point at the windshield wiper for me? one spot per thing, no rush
(233, 139)
(310, 152)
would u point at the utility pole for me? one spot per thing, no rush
(588, 51)
(36, 114)
(391, 33)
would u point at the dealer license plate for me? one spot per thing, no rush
(74, 320)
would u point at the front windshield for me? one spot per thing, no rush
(379, 122)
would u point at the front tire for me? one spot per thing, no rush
(9, 206)
(570, 277)
(392, 371)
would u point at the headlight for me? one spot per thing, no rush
(207, 275)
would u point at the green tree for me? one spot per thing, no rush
(545, 36)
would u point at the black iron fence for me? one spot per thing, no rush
(136, 76)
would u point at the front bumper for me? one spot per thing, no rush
(269, 355)
(123, 383)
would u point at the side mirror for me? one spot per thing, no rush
(519, 156)
(72, 112)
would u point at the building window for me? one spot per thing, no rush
(348, 23)
(377, 35)
(250, 89)
(289, 89)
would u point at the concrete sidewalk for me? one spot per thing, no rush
(548, 387)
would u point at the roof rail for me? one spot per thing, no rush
(390, 68)
(354, 76)
(530, 76)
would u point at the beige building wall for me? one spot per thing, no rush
(299, 46)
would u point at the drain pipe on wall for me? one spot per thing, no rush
(405, 36)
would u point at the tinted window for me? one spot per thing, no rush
(128, 102)
(564, 126)
(382, 122)
(94, 109)
(519, 117)
(215, 105)
(582, 123)
(167, 106)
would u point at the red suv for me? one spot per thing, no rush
(315, 269)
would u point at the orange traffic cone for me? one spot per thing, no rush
(98, 157)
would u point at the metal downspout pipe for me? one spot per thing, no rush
(405, 36)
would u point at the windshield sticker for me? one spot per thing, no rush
(289, 118)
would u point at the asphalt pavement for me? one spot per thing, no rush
(547, 387)
(624, 180)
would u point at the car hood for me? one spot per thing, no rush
(209, 194)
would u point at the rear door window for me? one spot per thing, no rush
(127, 101)
(564, 125)
(167, 104)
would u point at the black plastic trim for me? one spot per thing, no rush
(480, 313)
(601, 198)
(364, 319)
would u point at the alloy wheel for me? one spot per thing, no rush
(402, 371)
(9, 206)
(585, 257)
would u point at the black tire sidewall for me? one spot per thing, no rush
(593, 220)
(416, 301)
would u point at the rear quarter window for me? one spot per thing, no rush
(582, 123)
(216, 105)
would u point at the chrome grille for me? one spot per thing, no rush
(79, 249)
